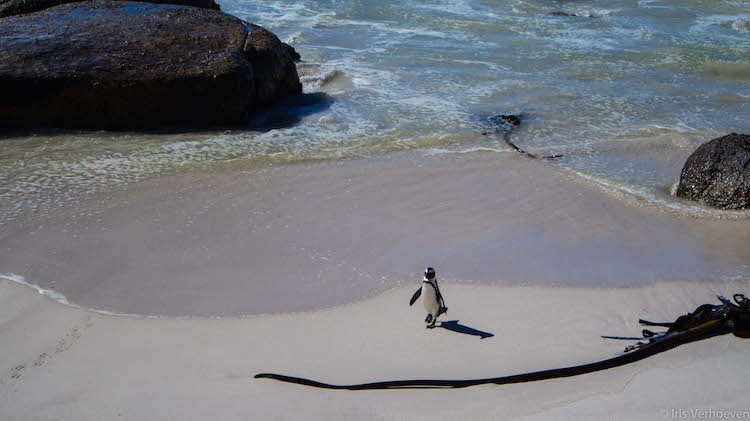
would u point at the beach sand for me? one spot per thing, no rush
(274, 239)
(307, 269)
(63, 363)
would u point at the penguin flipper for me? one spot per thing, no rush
(415, 296)
(439, 295)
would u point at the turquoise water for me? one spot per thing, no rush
(626, 90)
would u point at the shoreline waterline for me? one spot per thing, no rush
(719, 288)
(321, 234)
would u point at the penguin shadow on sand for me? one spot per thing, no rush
(455, 326)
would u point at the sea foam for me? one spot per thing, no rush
(46, 292)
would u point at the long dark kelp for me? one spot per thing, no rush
(706, 321)
(505, 125)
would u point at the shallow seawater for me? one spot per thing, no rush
(626, 90)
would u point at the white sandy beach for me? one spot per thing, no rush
(60, 362)
(306, 270)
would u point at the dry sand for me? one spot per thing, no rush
(63, 363)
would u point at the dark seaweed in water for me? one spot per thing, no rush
(505, 125)
(506, 122)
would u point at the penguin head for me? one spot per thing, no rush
(429, 274)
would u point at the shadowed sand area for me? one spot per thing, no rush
(312, 235)
(64, 363)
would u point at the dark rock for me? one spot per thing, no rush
(111, 64)
(718, 173)
(273, 67)
(560, 14)
(504, 123)
(292, 53)
(20, 7)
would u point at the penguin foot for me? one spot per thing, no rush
(430, 326)
(428, 319)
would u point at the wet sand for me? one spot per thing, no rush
(64, 363)
(306, 236)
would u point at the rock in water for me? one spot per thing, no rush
(129, 65)
(293, 53)
(511, 119)
(560, 14)
(718, 173)
(273, 65)
(19, 7)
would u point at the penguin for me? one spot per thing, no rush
(432, 299)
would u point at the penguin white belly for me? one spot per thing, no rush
(429, 299)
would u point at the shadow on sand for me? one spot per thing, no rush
(454, 326)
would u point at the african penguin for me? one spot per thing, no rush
(431, 298)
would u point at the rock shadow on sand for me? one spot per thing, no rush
(454, 326)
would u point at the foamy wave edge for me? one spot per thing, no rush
(62, 299)
(46, 292)
(642, 196)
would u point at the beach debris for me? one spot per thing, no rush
(432, 299)
(729, 316)
(505, 124)
(706, 321)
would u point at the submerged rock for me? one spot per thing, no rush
(511, 119)
(130, 65)
(718, 173)
(20, 7)
(504, 123)
(560, 14)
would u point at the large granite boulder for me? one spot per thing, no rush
(718, 173)
(20, 7)
(111, 64)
